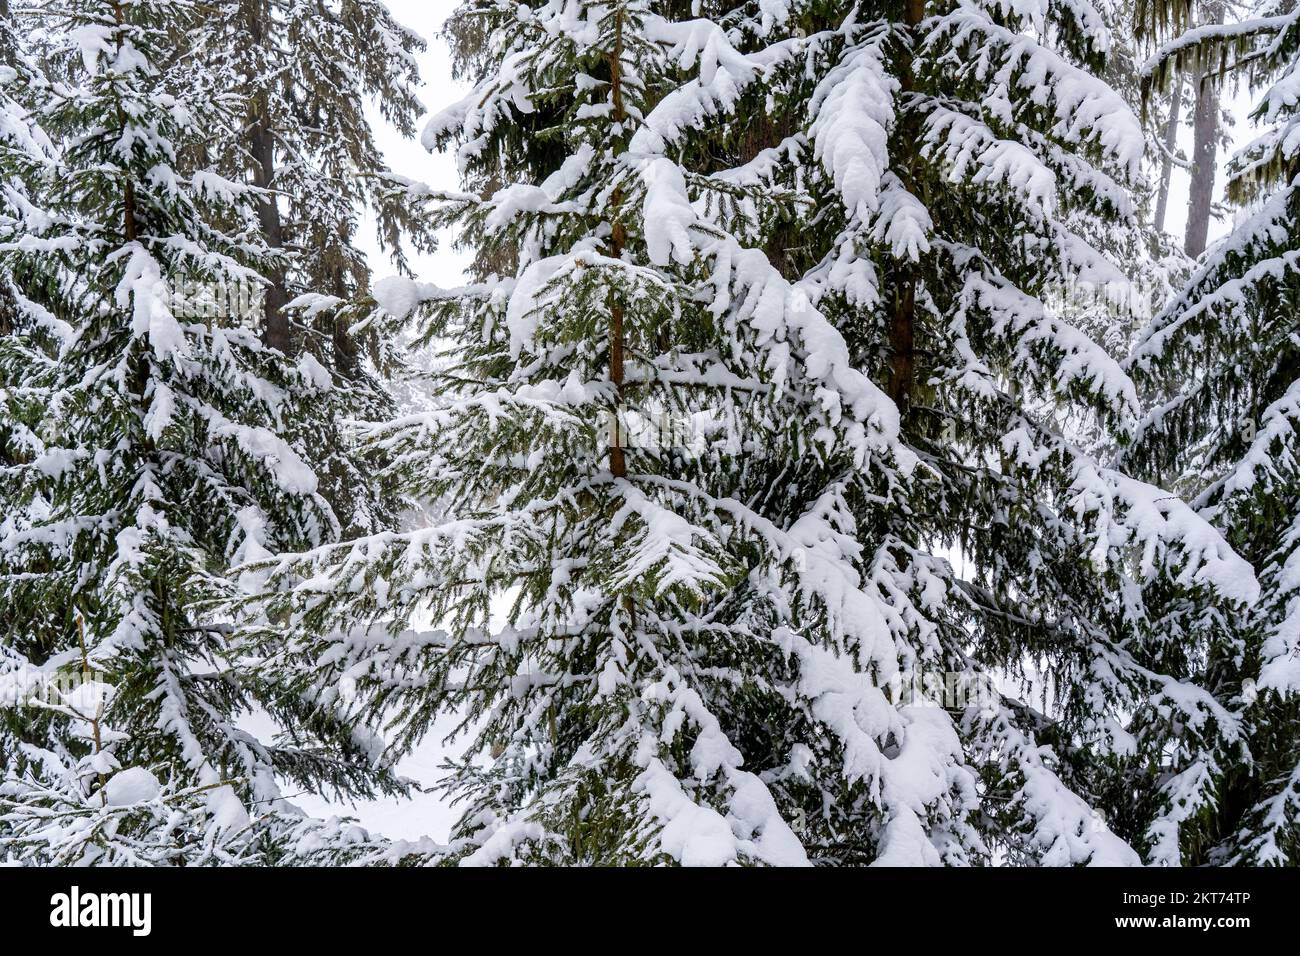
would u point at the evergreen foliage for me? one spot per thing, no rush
(147, 453)
(1221, 364)
(818, 239)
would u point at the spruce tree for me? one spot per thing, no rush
(154, 455)
(757, 344)
(306, 72)
(1014, 166)
(29, 337)
(1220, 368)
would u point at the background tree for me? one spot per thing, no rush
(308, 73)
(1206, 134)
(154, 456)
(1210, 123)
(1220, 364)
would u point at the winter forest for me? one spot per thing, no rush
(860, 433)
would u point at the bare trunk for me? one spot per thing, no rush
(347, 354)
(902, 332)
(1167, 161)
(129, 229)
(618, 236)
(1204, 156)
(275, 320)
(617, 459)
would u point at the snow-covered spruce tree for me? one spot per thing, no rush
(28, 337)
(741, 220)
(155, 459)
(26, 155)
(1154, 264)
(993, 178)
(1222, 365)
(307, 72)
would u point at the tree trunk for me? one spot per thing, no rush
(347, 354)
(1204, 158)
(275, 320)
(618, 236)
(902, 331)
(128, 191)
(1167, 161)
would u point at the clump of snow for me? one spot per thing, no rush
(227, 812)
(131, 786)
(396, 295)
(315, 373)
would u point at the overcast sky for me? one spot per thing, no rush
(407, 156)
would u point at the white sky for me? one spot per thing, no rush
(406, 156)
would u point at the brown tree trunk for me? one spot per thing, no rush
(347, 354)
(1204, 155)
(618, 236)
(902, 331)
(275, 320)
(129, 229)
